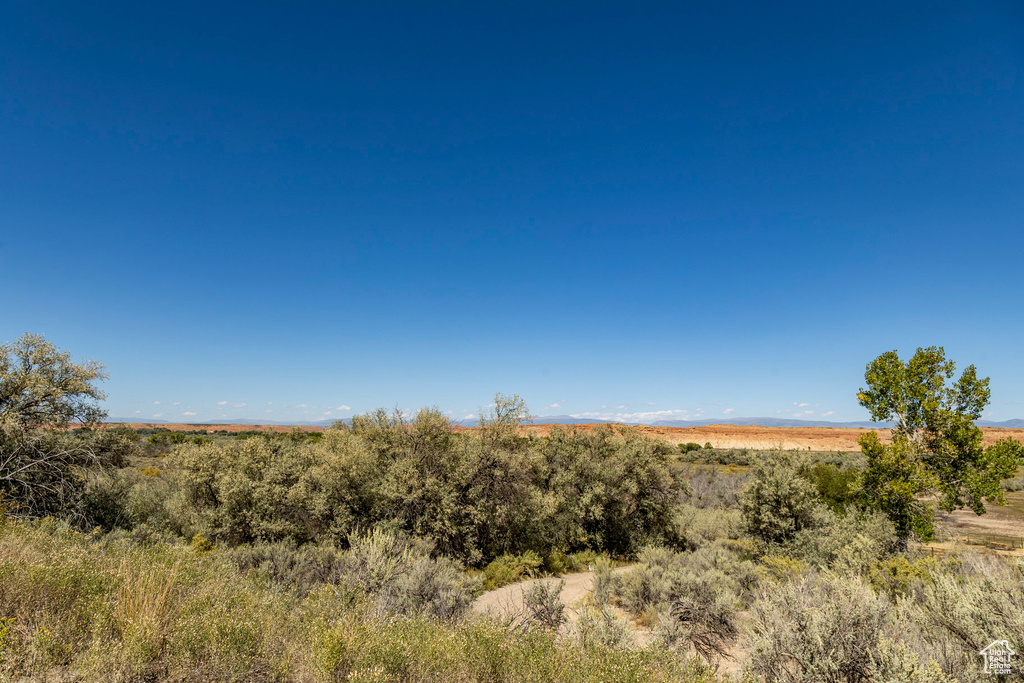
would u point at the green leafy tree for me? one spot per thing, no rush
(894, 481)
(937, 447)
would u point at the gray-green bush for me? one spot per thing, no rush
(829, 628)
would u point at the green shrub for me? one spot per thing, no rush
(476, 496)
(610, 488)
(598, 626)
(968, 602)
(830, 628)
(713, 486)
(544, 606)
(710, 455)
(697, 527)
(302, 569)
(104, 500)
(778, 503)
(663, 576)
(511, 569)
(848, 543)
(899, 576)
(703, 618)
(586, 560)
(837, 486)
(782, 568)
(557, 562)
(1014, 484)
(400, 577)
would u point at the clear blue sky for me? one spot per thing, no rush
(297, 211)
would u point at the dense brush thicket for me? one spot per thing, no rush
(473, 496)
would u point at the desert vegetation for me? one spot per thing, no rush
(356, 553)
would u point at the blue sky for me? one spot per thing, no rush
(659, 211)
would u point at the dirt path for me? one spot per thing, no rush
(508, 601)
(508, 604)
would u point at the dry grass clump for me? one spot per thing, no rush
(86, 607)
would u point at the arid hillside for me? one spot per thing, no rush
(719, 436)
(736, 436)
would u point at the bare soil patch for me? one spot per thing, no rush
(1002, 524)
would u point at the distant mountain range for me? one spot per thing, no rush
(744, 421)
(1006, 424)
(570, 420)
(741, 421)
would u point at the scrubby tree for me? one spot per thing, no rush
(41, 385)
(937, 447)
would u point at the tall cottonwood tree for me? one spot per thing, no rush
(937, 447)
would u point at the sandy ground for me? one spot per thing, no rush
(506, 603)
(803, 438)
(1003, 524)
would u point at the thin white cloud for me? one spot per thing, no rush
(137, 412)
(651, 404)
(343, 407)
(801, 405)
(159, 415)
(829, 413)
(222, 403)
(553, 406)
(470, 416)
(189, 413)
(636, 417)
(302, 405)
(728, 411)
(156, 403)
(176, 403)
